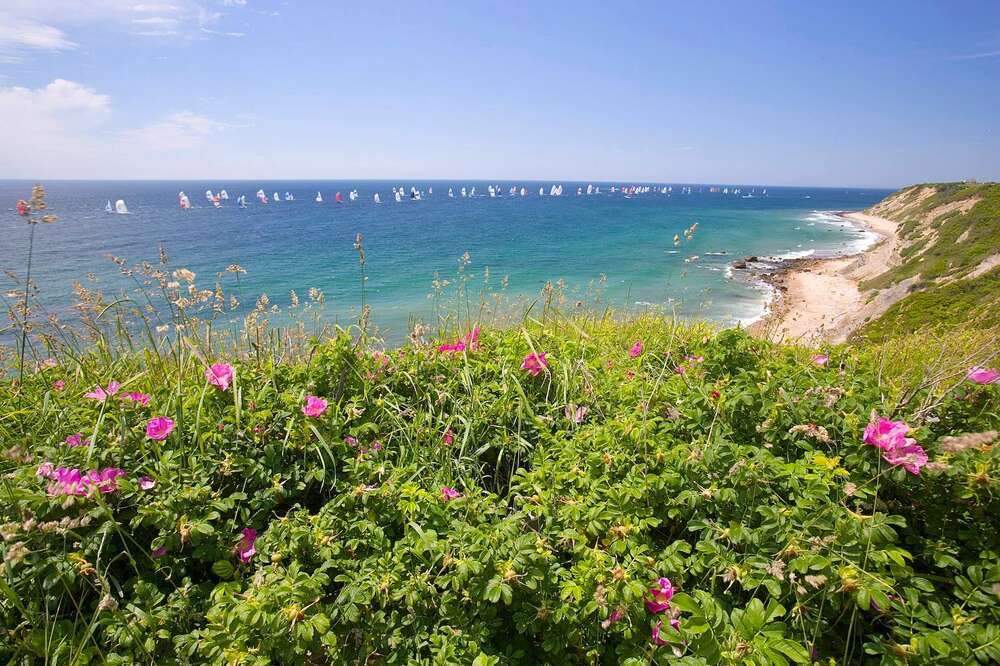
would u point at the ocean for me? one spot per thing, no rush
(622, 246)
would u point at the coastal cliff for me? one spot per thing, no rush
(937, 265)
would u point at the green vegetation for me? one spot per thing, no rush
(943, 242)
(964, 304)
(176, 494)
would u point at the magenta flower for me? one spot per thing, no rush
(577, 414)
(159, 552)
(680, 370)
(616, 615)
(71, 481)
(58, 385)
(449, 437)
(45, 469)
(534, 363)
(694, 359)
(661, 594)
(636, 349)
(468, 341)
(245, 548)
(147, 482)
(820, 359)
(449, 494)
(219, 374)
(449, 349)
(159, 428)
(100, 395)
(656, 636)
(351, 441)
(886, 434)
(141, 398)
(77, 440)
(983, 375)
(314, 406)
(910, 456)
(472, 339)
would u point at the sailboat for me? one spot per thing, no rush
(399, 196)
(289, 197)
(376, 199)
(590, 189)
(209, 195)
(120, 207)
(552, 191)
(339, 198)
(276, 197)
(451, 194)
(242, 201)
(217, 201)
(261, 197)
(524, 192)
(353, 196)
(473, 192)
(463, 191)
(319, 197)
(224, 195)
(430, 191)
(541, 191)
(492, 191)
(579, 191)
(182, 198)
(108, 209)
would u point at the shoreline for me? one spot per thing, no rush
(818, 299)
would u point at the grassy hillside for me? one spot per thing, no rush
(950, 252)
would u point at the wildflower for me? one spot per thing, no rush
(449, 494)
(811, 430)
(680, 370)
(577, 414)
(820, 359)
(100, 395)
(980, 375)
(715, 395)
(658, 629)
(159, 552)
(449, 437)
(351, 441)
(886, 434)
(141, 398)
(910, 456)
(159, 428)
(219, 374)
(314, 406)
(77, 440)
(662, 594)
(58, 385)
(615, 616)
(71, 481)
(534, 363)
(450, 349)
(694, 359)
(147, 483)
(245, 548)
(45, 469)
(636, 349)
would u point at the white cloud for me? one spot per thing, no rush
(64, 130)
(21, 32)
(179, 131)
(155, 20)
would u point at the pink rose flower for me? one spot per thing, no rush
(449, 494)
(910, 456)
(100, 395)
(77, 440)
(219, 374)
(246, 548)
(147, 483)
(886, 434)
(983, 375)
(661, 595)
(141, 398)
(58, 385)
(159, 428)
(534, 363)
(656, 636)
(820, 359)
(314, 406)
(636, 349)
(449, 437)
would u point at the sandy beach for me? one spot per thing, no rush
(819, 299)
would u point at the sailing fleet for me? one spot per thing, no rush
(401, 193)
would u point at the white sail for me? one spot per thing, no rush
(261, 197)
(473, 192)
(319, 197)
(463, 191)
(492, 191)
(552, 191)
(120, 207)
(399, 197)
(289, 197)
(524, 192)
(108, 208)
(224, 195)
(541, 191)
(209, 195)
(276, 197)
(377, 200)
(430, 191)
(451, 193)
(185, 203)
(590, 189)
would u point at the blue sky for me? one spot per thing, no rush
(853, 94)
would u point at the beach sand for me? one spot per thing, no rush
(819, 299)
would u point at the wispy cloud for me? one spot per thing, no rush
(26, 33)
(179, 131)
(976, 56)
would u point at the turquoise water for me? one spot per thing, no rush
(301, 244)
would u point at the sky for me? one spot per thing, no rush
(877, 94)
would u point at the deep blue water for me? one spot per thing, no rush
(302, 244)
